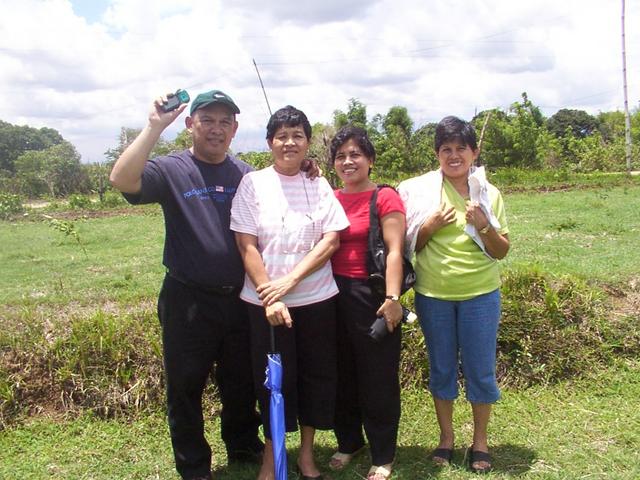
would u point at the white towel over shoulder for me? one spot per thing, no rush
(423, 195)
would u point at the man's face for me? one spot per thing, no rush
(212, 129)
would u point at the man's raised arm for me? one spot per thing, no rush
(126, 174)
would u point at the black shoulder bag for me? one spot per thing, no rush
(377, 254)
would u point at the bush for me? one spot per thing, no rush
(105, 363)
(551, 329)
(79, 201)
(112, 199)
(10, 205)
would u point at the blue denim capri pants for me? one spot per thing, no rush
(470, 328)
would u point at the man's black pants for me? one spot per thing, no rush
(200, 329)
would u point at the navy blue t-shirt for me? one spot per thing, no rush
(196, 200)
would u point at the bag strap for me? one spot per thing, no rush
(374, 219)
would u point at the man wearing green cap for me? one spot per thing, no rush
(204, 323)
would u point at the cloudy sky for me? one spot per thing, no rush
(88, 67)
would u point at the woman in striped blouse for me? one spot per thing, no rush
(286, 230)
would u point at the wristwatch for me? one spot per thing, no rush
(393, 298)
(485, 230)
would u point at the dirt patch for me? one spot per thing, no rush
(86, 214)
(627, 305)
(48, 314)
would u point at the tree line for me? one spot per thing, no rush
(41, 163)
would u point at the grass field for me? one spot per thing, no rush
(578, 429)
(584, 430)
(591, 233)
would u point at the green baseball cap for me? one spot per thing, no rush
(213, 96)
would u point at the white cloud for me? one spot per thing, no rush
(87, 79)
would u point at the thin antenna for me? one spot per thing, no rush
(262, 86)
(627, 121)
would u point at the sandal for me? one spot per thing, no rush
(302, 476)
(379, 473)
(478, 456)
(443, 454)
(340, 460)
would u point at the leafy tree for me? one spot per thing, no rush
(393, 143)
(552, 152)
(422, 148)
(319, 150)
(98, 175)
(257, 160)
(496, 146)
(183, 140)
(398, 118)
(611, 125)
(578, 122)
(16, 140)
(356, 115)
(525, 122)
(162, 147)
(55, 171)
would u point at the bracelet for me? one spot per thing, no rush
(485, 230)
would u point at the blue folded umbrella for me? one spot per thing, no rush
(276, 414)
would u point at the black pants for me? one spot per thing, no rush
(200, 329)
(308, 352)
(368, 385)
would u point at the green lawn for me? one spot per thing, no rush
(43, 266)
(590, 233)
(588, 429)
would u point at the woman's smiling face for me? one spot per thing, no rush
(351, 164)
(456, 159)
(289, 148)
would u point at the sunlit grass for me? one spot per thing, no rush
(585, 429)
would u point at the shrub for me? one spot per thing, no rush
(112, 199)
(109, 364)
(79, 201)
(552, 328)
(10, 205)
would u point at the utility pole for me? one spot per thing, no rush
(627, 120)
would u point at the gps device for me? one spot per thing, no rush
(175, 100)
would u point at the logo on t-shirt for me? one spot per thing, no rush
(217, 193)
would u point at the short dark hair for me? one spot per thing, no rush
(288, 117)
(359, 135)
(454, 129)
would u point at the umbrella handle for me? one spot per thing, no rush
(272, 333)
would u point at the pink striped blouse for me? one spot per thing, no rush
(288, 215)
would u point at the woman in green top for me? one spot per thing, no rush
(457, 227)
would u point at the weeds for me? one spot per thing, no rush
(10, 205)
(68, 228)
(105, 363)
(552, 328)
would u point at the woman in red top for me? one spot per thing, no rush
(368, 385)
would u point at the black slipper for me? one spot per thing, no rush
(478, 456)
(443, 453)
